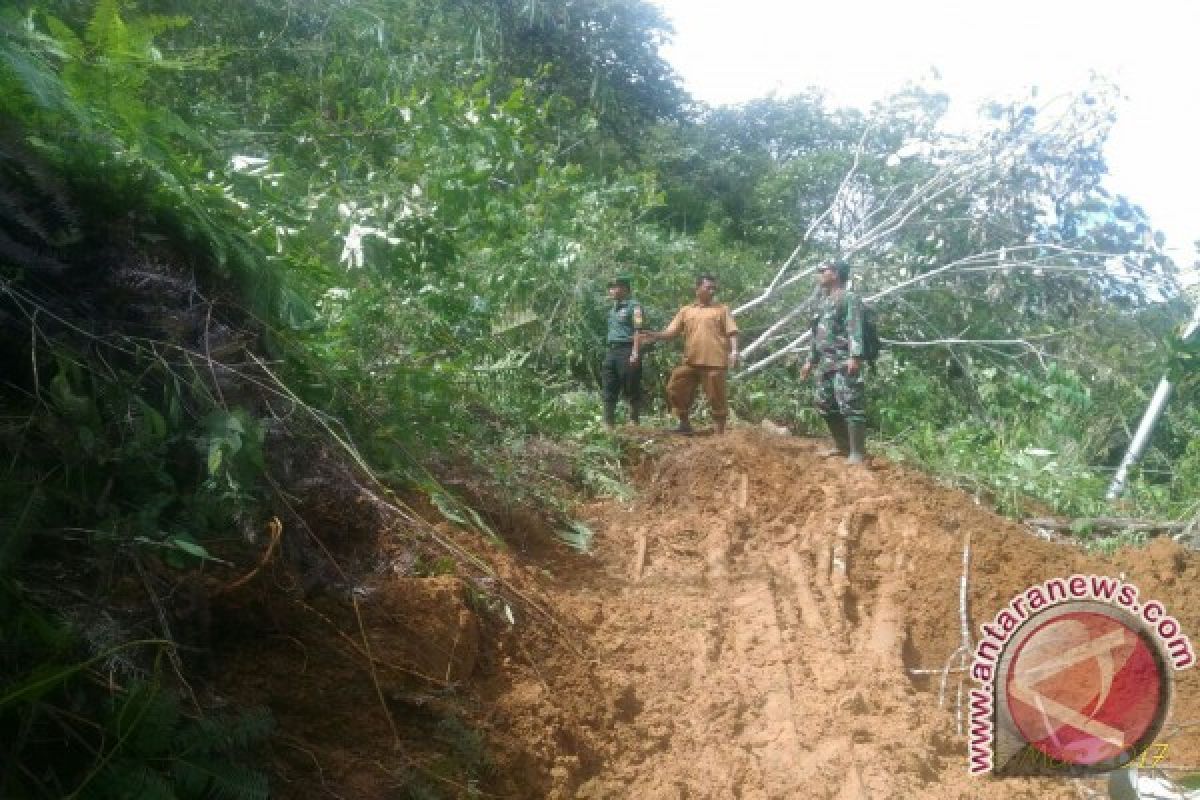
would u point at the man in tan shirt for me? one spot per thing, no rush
(710, 348)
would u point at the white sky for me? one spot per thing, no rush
(730, 51)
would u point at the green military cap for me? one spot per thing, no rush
(621, 280)
(842, 268)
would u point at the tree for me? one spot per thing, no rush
(1014, 216)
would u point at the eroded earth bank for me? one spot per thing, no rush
(757, 622)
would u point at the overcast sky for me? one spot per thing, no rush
(730, 51)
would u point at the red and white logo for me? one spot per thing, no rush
(1085, 687)
(1075, 677)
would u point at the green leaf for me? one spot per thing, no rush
(577, 535)
(154, 425)
(190, 547)
(447, 505)
(215, 457)
(37, 80)
(66, 37)
(105, 31)
(483, 527)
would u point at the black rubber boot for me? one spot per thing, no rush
(858, 442)
(841, 437)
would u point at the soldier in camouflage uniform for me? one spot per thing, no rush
(837, 356)
(622, 370)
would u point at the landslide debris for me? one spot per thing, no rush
(757, 623)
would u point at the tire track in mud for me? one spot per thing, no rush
(759, 607)
(796, 636)
(781, 630)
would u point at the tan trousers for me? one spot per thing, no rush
(681, 389)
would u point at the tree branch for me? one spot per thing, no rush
(975, 261)
(1110, 524)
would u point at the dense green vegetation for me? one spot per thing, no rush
(387, 225)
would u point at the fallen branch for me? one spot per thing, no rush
(964, 628)
(976, 260)
(956, 655)
(808, 233)
(766, 335)
(766, 293)
(964, 620)
(938, 671)
(639, 561)
(1109, 524)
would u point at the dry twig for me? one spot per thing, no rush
(275, 531)
(387, 712)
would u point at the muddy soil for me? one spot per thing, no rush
(757, 623)
(759, 617)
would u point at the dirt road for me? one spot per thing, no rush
(762, 623)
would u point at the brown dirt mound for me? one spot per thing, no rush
(753, 622)
(753, 625)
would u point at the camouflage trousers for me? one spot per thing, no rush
(836, 393)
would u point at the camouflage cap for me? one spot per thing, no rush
(621, 280)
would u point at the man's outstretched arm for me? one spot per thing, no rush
(669, 332)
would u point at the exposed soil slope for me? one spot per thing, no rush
(750, 626)
(755, 617)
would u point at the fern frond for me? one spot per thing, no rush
(123, 778)
(106, 32)
(33, 202)
(145, 719)
(201, 777)
(416, 787)
(18, 255)
(14, 215)
(24, 75)
(512, 320)
(65, 37)
(219, 733)
(142, 30)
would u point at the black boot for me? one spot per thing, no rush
(841, 438)
(858, 442)
(610, 416)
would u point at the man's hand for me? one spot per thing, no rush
(852, 367)
(806, 370)
(733, 358)
(634, 357)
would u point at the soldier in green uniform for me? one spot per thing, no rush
(622, 370)
(836, 354)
